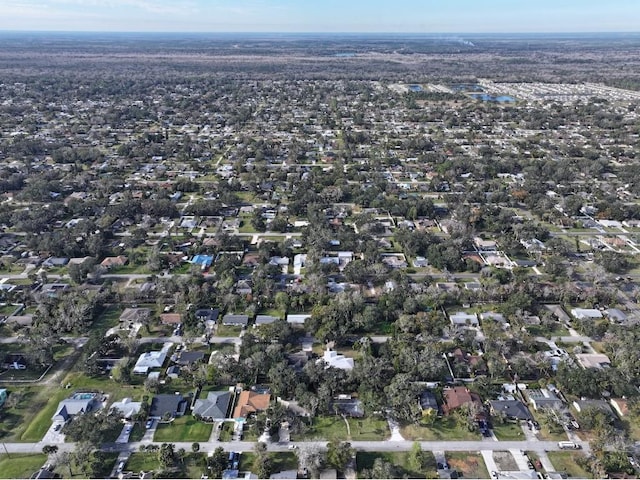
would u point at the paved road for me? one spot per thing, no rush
(377, 446)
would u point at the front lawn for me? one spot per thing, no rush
(139, 461)
(281, 461)
(567, 462)
(401, 462)
(470, 465)
(508, 431)
(183, 429)
(445, 428)
(335, 428)
(21, 465)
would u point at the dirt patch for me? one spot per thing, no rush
(505, 462)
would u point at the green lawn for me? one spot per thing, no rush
(226, 432)
(334, 428)
(471, 465)
(445, 428)
(567, 462)
(400, 460)
(281, 461)
(44, 406)
(183, 429)
(228, 331)
(139, 461)
(508, 431)
(21, 465)
(193, 467)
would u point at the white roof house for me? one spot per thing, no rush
(298, 319)
(126, 407)
(149, 360)
(462, 318)
(586, 313)
(336, 360)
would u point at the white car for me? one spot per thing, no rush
(292, 447)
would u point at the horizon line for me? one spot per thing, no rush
(291, 32)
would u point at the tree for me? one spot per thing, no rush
(417, 458)
(195, 447)
(311, 458)
(50, 449)
(217, 463)
(380, 469)
(166, 455)
(339, 454)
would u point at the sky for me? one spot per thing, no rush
(384, 16)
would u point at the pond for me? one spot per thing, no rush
(490, 98)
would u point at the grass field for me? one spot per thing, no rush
(334, 428)
(281, 461)
(445, 428)
(508, 431)
(567, 462)
(400, 460)
(183, 429)
(21, 466)
(471, 465)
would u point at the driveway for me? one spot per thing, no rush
(125, 433)
(54, 436)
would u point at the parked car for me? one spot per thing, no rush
(149, 424)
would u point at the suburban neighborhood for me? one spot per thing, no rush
(248, 275)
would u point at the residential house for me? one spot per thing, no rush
(265, 320)
(203, 261)
(53, 262)
(485, 245)
(150, 360)
(127, 408)
(77, 404)
(213, 408)
(428, 402)
(462, 319)
(616, 316)
(134, 315)
(185, 358)
(336, 360)
(250, 402)
(167, 405)
(543, 398)
(512, 409)
(586, 313)
(348, 406)
(207, 315)
(170, 318)
(601, 405)
(111, 262)
(235, 320)
(593, 360)
(297, 319)
(456, 397)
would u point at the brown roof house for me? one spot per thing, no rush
(170, 318)
(251, 402)
(110, 262)
(456, 397)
